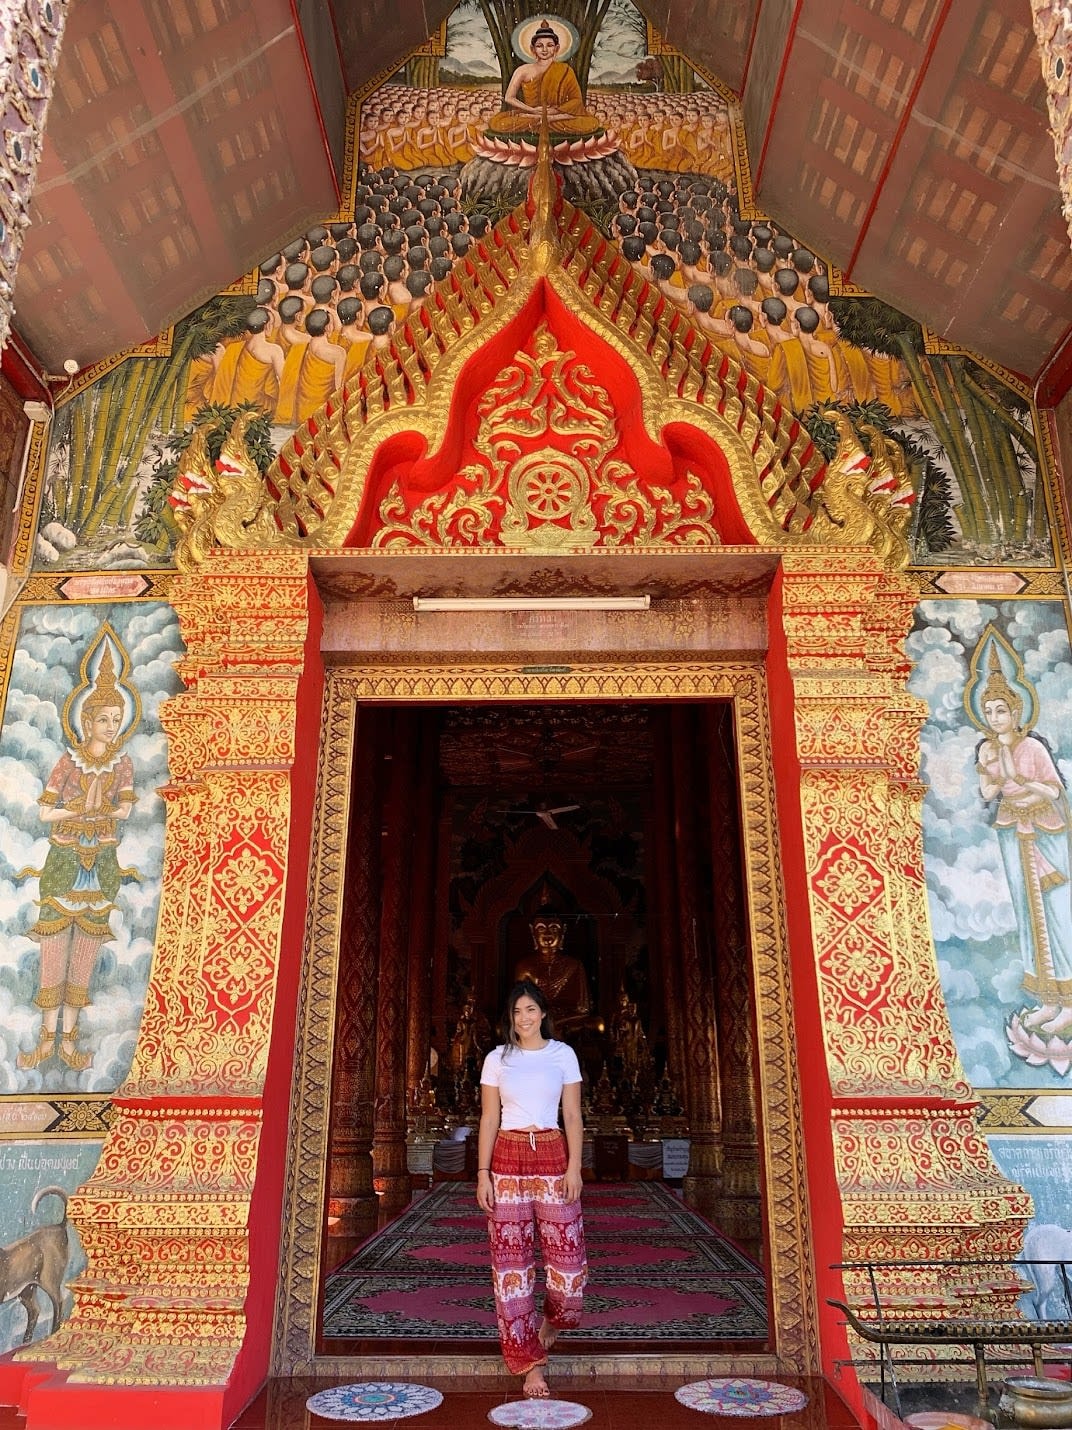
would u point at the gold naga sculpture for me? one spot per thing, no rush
(221, 504)
(865, 500)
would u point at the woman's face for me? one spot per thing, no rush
(105, 724)
(998, 716)
(527, 1018)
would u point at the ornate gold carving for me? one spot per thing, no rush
(862, 500)
(791, 1269)
(567, 493)
(222, 504)
(920, 1185)
(321, 472)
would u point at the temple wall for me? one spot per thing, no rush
(987, 553)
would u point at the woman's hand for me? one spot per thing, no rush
(485, 1192)
(571, 1187)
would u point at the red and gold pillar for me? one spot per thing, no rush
(914, 1177)
(351, 1196)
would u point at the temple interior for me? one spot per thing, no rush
(594, 849)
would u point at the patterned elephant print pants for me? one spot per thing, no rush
(527, 1176)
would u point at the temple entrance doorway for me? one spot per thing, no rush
(615, 830)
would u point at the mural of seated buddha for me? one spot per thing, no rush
(544, 81)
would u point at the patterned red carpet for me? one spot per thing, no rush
(657, 1272)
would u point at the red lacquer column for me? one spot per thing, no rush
(389, 1175)
(697, 980)
(350, 1158)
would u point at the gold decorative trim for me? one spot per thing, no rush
(794, 1317)
(45, 588)
(934, 343)
(157, 347)
(30, 505)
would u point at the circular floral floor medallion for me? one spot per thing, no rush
(539, 1414)
(738, 1395)
(374, 1400)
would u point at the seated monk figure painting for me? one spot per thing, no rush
(544, 81)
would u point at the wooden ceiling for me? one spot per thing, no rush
(904, 140)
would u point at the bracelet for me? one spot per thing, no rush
(483, 1169)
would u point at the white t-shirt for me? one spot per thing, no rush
(530, 1083)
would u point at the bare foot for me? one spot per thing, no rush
(1060, 1024)
(1040, 1016)
(548, 1334)
(534, 1386)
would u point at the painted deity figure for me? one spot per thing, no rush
(559, 976)
(544, 82)
(1017, 773)
(86, 799)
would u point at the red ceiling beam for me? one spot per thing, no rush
(325, 141)
(902, 125)
(750, 47)
(1055, 380)
(779, 84)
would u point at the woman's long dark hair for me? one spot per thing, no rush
(525, 989)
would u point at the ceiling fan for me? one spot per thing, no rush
(547, 816)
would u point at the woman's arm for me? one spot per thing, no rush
(490, 1117)
(571, 1121)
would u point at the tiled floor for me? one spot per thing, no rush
(281, 1406)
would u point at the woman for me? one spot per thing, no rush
(528, 1170)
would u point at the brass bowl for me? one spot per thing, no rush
(1034, 1400)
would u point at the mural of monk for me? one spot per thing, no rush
(544, 81)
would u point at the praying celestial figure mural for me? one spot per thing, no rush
(1025, 791)
(87, 799)
(997, 676)
(82, 759)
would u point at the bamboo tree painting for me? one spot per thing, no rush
(973, 446)
(108, 440)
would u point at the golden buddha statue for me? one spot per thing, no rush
(559, 975)
(630, 1042)
(472, 1036)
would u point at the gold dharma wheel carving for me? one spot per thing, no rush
(549, 501)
